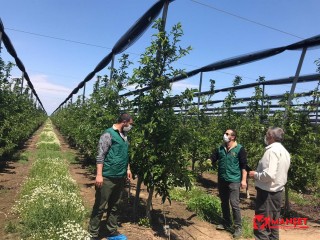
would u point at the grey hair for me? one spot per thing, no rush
(276, 133)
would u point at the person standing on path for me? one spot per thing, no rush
(112, 170)
(270, 177)
(232, 174)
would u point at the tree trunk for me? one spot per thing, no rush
(149, 203)
(137, 199)
(287, 203)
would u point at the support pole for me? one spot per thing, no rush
(0, 40)
(293, 87)
(317, 110)
(164, 14)
(294, 83)
(262, 102)
(112, 66)
(84, 92)
(199, 94)
(22, 79)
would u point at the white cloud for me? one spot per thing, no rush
(51, 95)
(183, 85)
(42, 85)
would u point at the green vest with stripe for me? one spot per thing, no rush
(228, 164)
(116, 161)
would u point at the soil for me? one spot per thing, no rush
(183, 223)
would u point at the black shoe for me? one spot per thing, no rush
(237, 232)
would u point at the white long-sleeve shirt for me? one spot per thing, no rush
(272, 171)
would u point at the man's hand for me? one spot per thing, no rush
(251, 174)
(129, 174)
(243, 184)
(99, 181)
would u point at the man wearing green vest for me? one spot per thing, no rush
(112, 170)
(232, 174)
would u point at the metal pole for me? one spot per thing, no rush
(21, 89)
(200, 85)
(293, 86)
(164, 14)
(0, 40)
(112, 66)
(84, 92)
(262, 101)
(317, 111)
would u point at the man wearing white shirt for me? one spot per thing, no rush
(270, 178)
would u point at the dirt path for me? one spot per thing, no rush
(183, 224)
(12, 175)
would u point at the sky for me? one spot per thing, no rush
(60, 42)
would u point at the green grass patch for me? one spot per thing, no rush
(50, 205)
(247, 228)
(207, 207)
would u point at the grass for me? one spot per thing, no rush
(207, 207)
(50, 206)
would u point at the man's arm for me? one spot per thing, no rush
(243, 164)
(103, 147)
(269, 173)
(214, 156)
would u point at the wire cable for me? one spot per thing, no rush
(246, 19)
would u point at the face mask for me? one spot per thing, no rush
(266, 141)
(127, 129)
(225, 138)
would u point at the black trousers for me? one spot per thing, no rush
(268, 204)
(229, 193)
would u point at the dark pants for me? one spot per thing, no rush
(268, 204)
(108, 195)
(229, 194)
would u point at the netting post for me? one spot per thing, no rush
(0, 40)
(294, 83)
(22, 79)
(293, 87)
(262, 101)
(111, 68)
(164, 14)
(84, 92)
(199, 94)
(317, 111)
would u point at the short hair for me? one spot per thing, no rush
(124, 117)
(276, 133)
(234, 133)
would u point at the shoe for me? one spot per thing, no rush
(237, 232)
(222, 227)
(116, 236)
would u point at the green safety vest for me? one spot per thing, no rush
(116, 161)
(228, 164)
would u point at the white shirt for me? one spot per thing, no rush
(272, 171)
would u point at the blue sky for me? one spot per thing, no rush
(216, 30)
